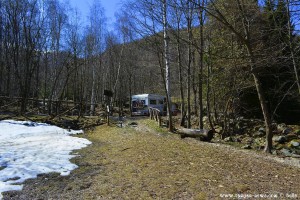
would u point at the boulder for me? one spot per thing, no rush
(280, 139)
(296, 151)
(70, 124)
(246, 147)
(218, 129)
(281, 127)
(133, 124)
(30, 124)
(259, 134)
(262, 130)
(287, 131)
(238, 139)
(240, 125)
(259, 143)
(279, 146)
(228, 139)
(248, 140)
(291, 136)
(275, 152)
(294, 143)
(286, 152)
(295, 156)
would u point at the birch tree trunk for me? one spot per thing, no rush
(92, 108)
(167, 64)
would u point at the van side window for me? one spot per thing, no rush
(161, 102)
(153, 101)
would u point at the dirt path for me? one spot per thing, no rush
(143, 163)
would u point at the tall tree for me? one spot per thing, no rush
(167, 64)
(291, 42)
(22, 27)
(95, 44)
(248, 15)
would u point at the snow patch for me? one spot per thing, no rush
(28, 149)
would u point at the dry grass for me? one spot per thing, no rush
(143, 163)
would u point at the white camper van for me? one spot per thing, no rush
(140, 103)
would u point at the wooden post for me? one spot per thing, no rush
(159, 118)
(155, 114)
(150, 113)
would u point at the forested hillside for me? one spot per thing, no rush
(216, 59)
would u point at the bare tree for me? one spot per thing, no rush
(167, 64)
(291, 44)
(246, 36)
(95, 43)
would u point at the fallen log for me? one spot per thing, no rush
(202, 134)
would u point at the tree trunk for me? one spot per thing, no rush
(189, 31)
(179, 63)
(201, 20)
(208, 89)
(92, 108)
(202, 134)
(166, 48)
(266, 113)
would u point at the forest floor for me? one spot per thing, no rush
(142, 161)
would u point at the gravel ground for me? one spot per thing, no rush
(144, 162)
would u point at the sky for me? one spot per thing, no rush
(110, 6)
(28, 149)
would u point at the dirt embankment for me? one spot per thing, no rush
(144, 163)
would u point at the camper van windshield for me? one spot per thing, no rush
(138, 103)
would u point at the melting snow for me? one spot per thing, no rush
(28, 149)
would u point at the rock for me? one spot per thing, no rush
(286, 152)
(262, 130)
(259, 134)
(280, 139)
(248, 140)
(228, 139)
(30, 124)
(287, 131)
(297, 132)
(236, 139)
(218, 129)
(259, 143)
(291, 136)
(256, 128)
(278, 146)
(133, 124)
(294, 144)
(296, 151)
(295, 156)
(275, 152)
(70, 124)
(281, 127)
(239, 125)
(239, 139)
(246, 147)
